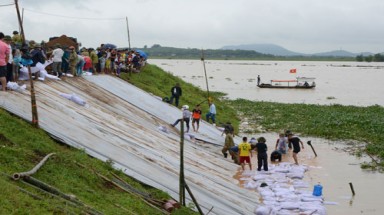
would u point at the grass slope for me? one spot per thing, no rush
(155, 80)
(22, 147)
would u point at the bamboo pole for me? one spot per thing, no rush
(17, 176)
(129, 38)
(205, 72)
(181, 179)
(193, 198)
(35, 119)
(55, 191)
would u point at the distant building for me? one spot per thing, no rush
(64, 42)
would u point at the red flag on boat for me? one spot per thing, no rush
(292, 71)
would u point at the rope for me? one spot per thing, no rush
(72, 17)
(5, 5)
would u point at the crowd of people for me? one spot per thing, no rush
(241, 154)
(66, 60)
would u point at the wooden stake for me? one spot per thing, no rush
(351, 186)
(309, 143)
(181, 177)
(35, 118)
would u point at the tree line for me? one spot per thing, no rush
(370, 58)
(158, 51)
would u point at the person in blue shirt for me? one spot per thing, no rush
(212, 113)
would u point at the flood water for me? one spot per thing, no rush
(346, 83)
(335, 168)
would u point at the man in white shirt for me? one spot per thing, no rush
(57, 55)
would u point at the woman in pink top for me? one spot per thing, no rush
(4, 55)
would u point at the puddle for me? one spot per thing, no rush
(334, 169)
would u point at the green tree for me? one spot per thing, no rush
(369, 58)
(378, 58)
(360, 58)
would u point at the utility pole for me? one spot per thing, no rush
(129, 38)
(35, 119)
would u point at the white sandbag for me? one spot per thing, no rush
(190, 136)
(330, 203)
(52, 77)
(300, 184)
(290, 205)
(295, 175)
(263, 210)
(23, 75)
(311, 199)
(251, 185)
(163, 129)
(259, 177)
(14, 86)
(73, 97)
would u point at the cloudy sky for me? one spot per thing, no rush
(306, 26)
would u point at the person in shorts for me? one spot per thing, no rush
(295, 142)
(196, 115)
(245, 153)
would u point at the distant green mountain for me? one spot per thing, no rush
(277, 50)
(263, 52)
(157, 51)
(265, 48)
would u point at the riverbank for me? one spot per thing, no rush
(71, 171)
(334, 122)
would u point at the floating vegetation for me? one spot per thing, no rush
(336, 122)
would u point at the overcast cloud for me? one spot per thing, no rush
(307, 26)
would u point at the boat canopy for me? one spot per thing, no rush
(283, 80)
(308, 79)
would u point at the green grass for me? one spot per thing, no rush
(365, 124)
(154, 80)
(22, 147)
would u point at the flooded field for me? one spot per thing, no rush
(346, 83)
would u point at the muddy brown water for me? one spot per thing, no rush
(346, 83)
(336, 83)
(335, 168)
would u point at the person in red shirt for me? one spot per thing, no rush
(196, 115)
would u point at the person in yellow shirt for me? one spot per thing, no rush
(245, 153)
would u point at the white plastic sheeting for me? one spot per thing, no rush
(129, 127)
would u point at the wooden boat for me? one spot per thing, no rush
(299, 83)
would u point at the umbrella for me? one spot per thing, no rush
(109, 46)
(142, 54)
